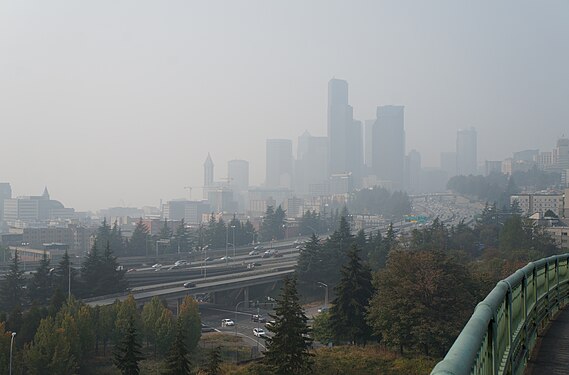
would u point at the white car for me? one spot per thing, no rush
(259, 332)
(157, 265)
(253, 252)
(180, 263)
(228, 258)
(227, 323)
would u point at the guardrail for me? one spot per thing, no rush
(500, 335)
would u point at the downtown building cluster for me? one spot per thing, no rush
(318, 176)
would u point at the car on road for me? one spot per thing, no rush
(228, 258)
(189, 284)
(253, 265)
(259, 332)
(268, 254)
(322, 309)
(208, 259)
(206, 328)
(270, 323)
(227, 323)
(180, 263)
(258, 318)
(157, 265)
(258, 247)
(253, 252)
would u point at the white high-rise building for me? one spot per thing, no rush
(466, 155)
(388, 159)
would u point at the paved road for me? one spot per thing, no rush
(212, 316)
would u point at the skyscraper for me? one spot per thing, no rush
(238, 174)
(413, 171)
(466, 159)
(5, 193)
(368, 142)
(311, 168)
(208, 171)
(279, 163)
(340, 117)
(207, 176)
(448, 163)
(355, 152)
(388, 146)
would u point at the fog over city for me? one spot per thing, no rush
(119, 103)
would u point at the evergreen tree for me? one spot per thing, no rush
(250, 234)
(116, 240)
(309, 267)
(177, 362)
(112, 277)
(213, 364)
(103, 235)
(182, 238)
(90, 272)
(39, 287)
(61, 275)
(100, 273)
(287, 351)
(127, 352)
(348, 312)
(272, 227)
(138, 244)
(12, 287)
(165, 232)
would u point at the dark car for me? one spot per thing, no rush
(206, 328)
(189, 284)
(258, 318)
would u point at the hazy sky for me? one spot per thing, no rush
(118, 102)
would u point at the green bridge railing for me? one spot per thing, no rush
(500, 335)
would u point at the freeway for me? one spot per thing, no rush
(209, 286)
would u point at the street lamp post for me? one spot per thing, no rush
(11, 345)
(233, 227)
(226, 243)
(235, 314)
(326, 295)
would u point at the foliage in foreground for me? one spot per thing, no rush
(353, 360)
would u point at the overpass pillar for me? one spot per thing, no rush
(246, 296)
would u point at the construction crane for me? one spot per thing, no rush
(189, 188)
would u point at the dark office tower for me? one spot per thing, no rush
(279, 163)
(466, 163)
(388, 148)
(339, 120)
(238, 174)
(311, 167)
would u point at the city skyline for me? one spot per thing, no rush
(94, 113)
